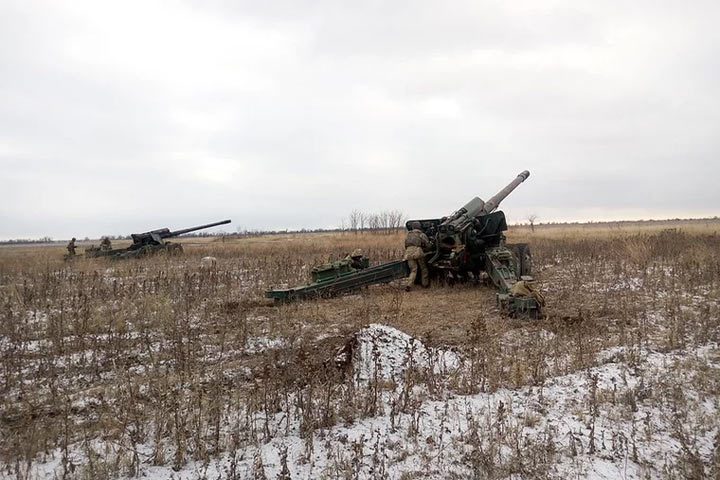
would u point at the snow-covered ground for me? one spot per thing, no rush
(639, 413)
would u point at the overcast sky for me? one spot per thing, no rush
(120, 117)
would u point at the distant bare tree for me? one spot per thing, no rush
(384, 220)
(531, 218)
(401, 220)
(396, 219)
(355, 220)
(392, 220)
(373, 221)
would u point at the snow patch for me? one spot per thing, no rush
(383, 352)
(260, 344)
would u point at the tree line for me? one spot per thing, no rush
(387, 221)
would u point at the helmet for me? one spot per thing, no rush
(415, 225)
(356, 253)
(73, 239)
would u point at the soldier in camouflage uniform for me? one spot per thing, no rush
(105, 244)
(356, 258)
(71, 247)
(416, 243)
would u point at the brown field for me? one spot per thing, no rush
(110, 368)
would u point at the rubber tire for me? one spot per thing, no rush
(174, 249)
(525, 259)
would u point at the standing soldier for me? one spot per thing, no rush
(416, 243)
(71, 247)
(105, 244)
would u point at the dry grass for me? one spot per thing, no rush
(160, 352)
(619, 229)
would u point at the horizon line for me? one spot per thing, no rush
(553, 223)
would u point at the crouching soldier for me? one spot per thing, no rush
(416, 243)
(356, 260)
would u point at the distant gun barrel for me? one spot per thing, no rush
(494, 202)
(157, 237)
(193, 229)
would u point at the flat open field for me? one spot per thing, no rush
(160, 368)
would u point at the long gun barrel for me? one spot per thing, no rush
(156, 237)
(192, 229)
(476, 207)
(493, 203)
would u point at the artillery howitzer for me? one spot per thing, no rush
(470, 244)
(149, 243)
(467, 245)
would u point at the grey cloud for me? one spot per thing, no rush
(291, 114)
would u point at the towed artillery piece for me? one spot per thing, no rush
(470, 245)
(467, 245)
(149, 243)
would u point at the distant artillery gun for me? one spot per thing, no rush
(149, 243)
(467, 245)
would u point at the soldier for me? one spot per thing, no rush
(105, 244)
(71, 247)
(416, 243)
(356, 259)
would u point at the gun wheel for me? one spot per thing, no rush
(174, 249)
(525, 260)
